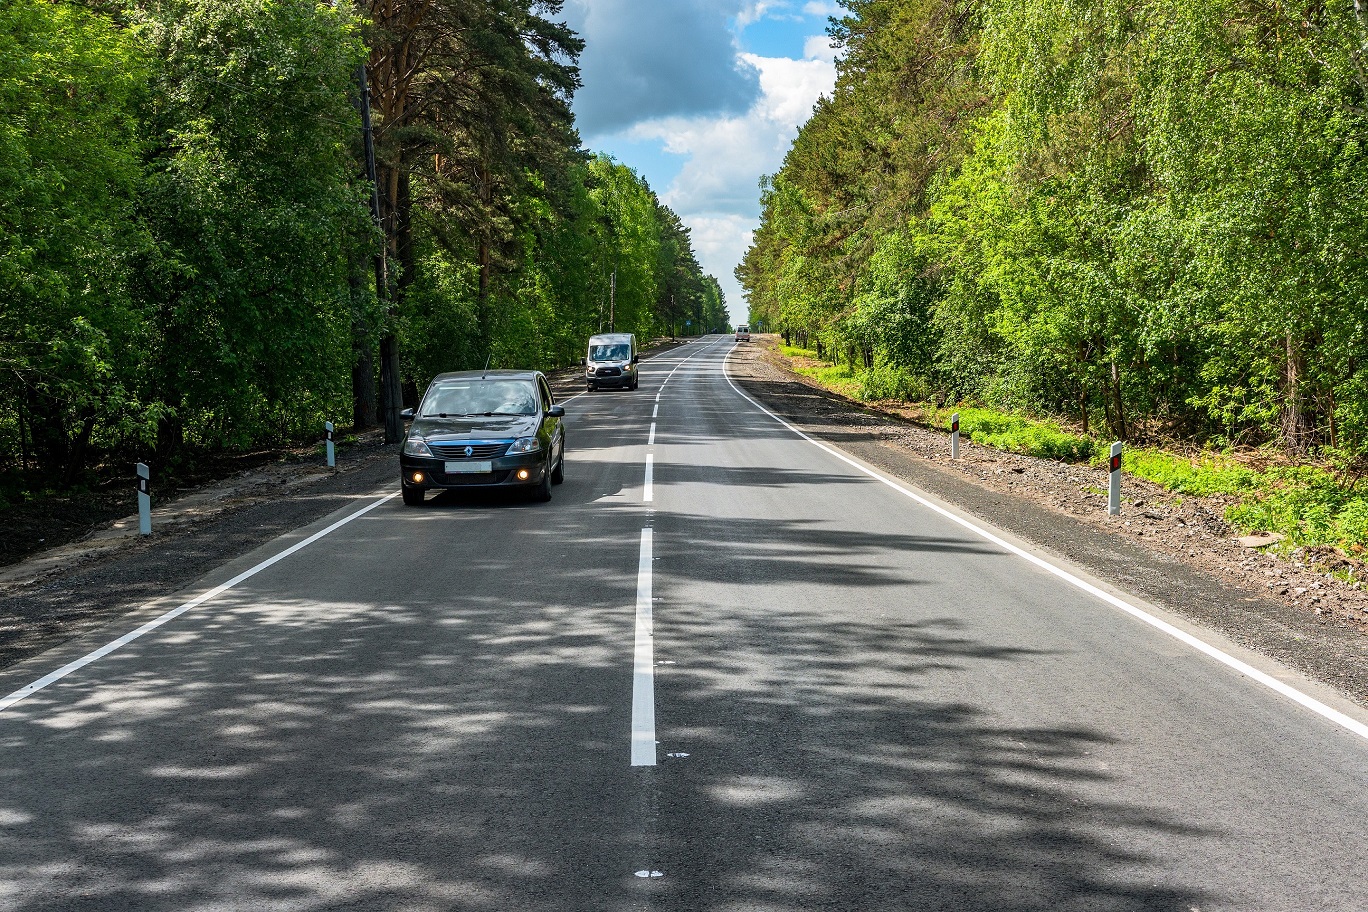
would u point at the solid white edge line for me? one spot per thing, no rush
(29, 689)
(647, 493)
(1308, 702)
(643, 664)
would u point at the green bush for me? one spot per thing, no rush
(1207, 474)
(1017, 434)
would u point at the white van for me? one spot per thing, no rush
(743, 333)
(611, 362)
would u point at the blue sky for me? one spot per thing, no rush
(702, 97)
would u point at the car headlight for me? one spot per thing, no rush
(415, 445)
(524, 445)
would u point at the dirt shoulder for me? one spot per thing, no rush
(1178, 553)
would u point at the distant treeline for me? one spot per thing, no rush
(1148, 215)
(190, 253)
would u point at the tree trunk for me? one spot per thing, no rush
(1083, 406)
(365, 406)
(1294, 425)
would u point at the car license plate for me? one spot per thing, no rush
(469, 468)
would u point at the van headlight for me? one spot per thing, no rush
(524, 445)
(415, 445)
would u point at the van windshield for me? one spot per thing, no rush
(618, 351)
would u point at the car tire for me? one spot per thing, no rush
(636, 381)
(558, 476)
(542, 492)
(413, 496)
(590, 388)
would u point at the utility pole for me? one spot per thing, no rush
(390, 394)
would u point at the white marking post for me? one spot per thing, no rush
(144, 499)
(1114, 481)
(643, 664)
(328, 438)
(954, 436)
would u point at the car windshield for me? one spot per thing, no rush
(617, 352)
(457, 398)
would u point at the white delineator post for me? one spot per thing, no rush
(954, 436)
(144, 499)
(328, 437)
(1114, 481)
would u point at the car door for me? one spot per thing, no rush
(552, 425)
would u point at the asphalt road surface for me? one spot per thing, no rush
(724, 669)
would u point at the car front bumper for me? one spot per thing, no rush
(610, 382)
(504, 472)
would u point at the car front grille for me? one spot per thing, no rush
(608, 372)
(480, 450)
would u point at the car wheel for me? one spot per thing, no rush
(558, 476)
(590, 388)
(542, 493)
(413, 496)
(636, 381)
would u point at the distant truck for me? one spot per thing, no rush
(743, 333)
(611, 362)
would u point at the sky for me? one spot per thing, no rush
(702, 98)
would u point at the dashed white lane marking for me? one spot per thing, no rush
(30, 689)
(650, 441)
(643, 664)
(647, 494)
(655, 412)
(1267, 680)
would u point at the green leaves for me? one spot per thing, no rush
(1152, 214)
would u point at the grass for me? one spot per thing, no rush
(1309, 504)
(1018, 434)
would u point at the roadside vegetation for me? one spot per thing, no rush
(1313, 505)
(1078, 222)
(194, 259)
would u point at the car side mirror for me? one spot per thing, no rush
(636, 359)
(584, 360)
(556, 411)
(406, 414)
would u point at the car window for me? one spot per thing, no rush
(547, 400)
(456, 398)
(617, 352)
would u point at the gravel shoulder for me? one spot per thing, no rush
(1177, 553)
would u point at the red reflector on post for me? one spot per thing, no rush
(1116, 463)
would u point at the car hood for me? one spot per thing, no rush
(493, 428)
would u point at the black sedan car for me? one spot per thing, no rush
(484, 429)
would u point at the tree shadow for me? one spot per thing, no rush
(459, 740)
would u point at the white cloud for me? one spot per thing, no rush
(656, 59)
(716, 192)
(753, 12)
(817, 8)
(819, 47)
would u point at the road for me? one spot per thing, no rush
(859, 703)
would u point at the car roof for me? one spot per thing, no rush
(489, 375)
(610, 337)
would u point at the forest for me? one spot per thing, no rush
(1147, 219)
(227, 221)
